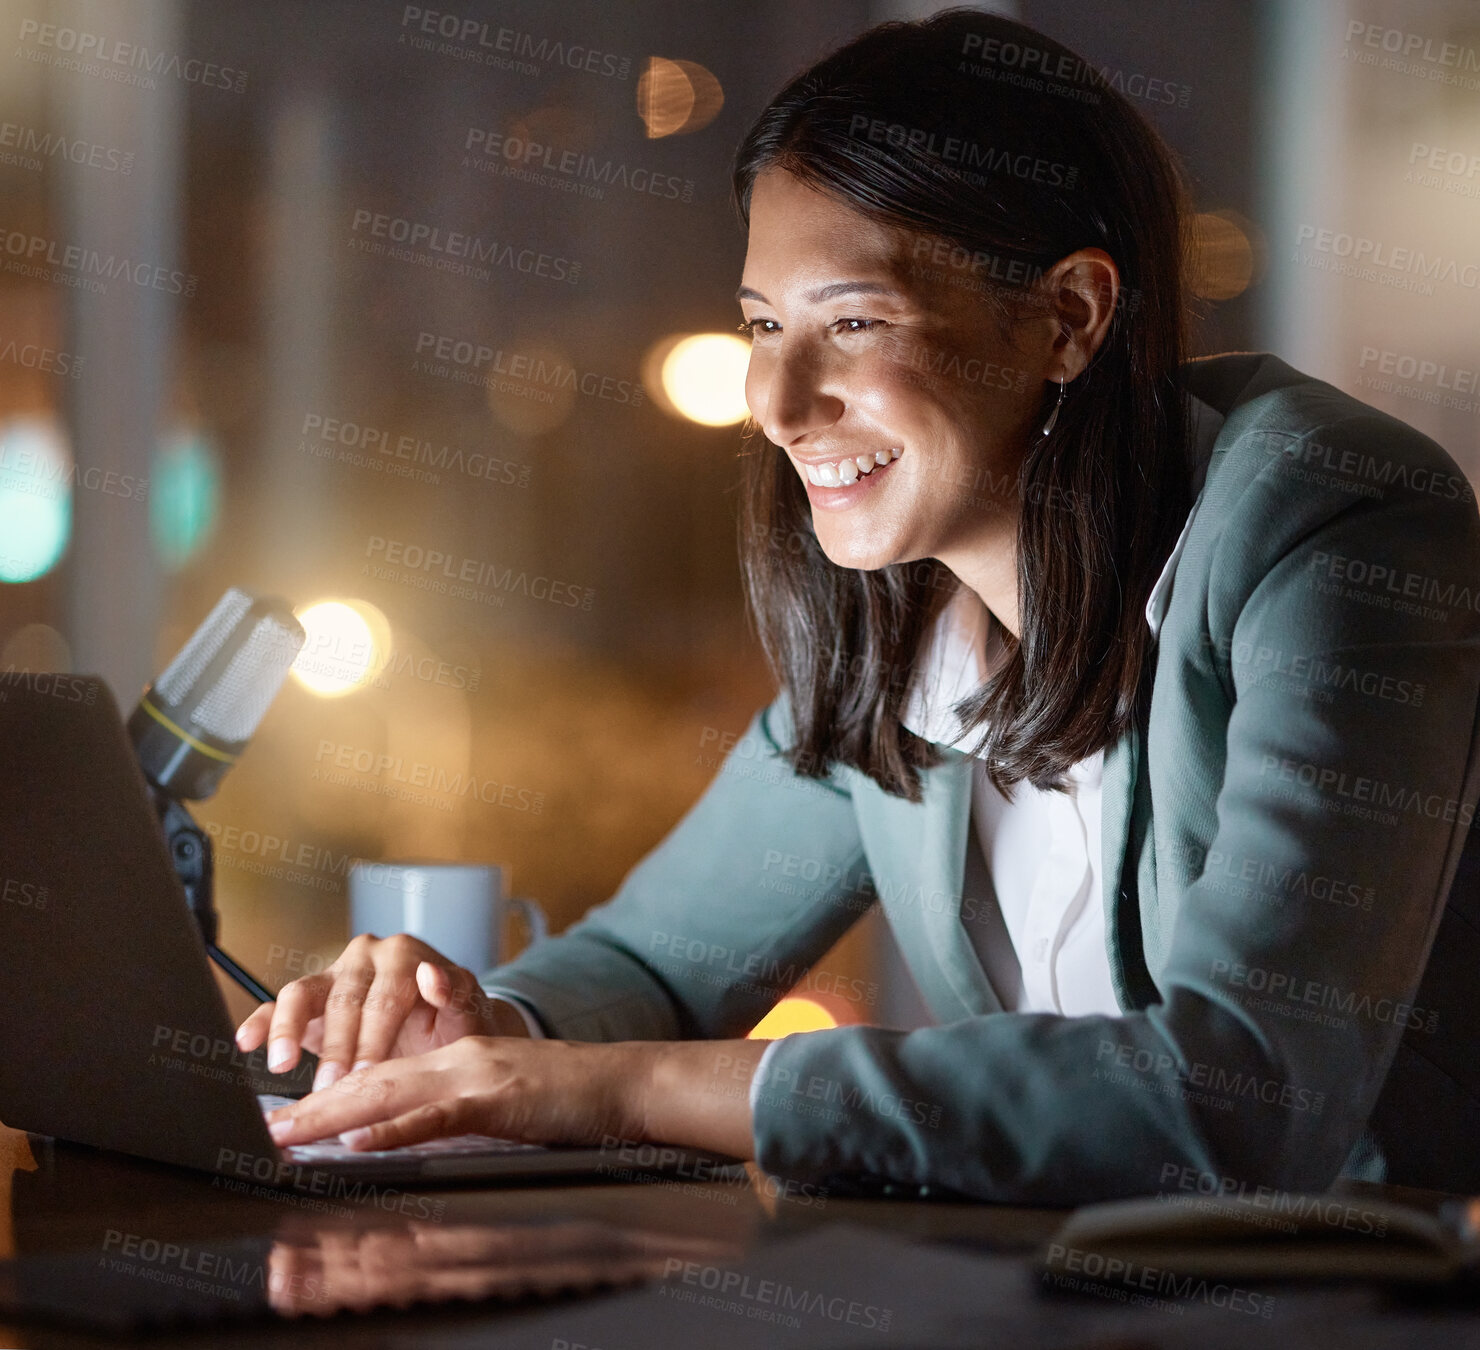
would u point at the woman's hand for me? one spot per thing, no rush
(695, 1093)
(382, 997)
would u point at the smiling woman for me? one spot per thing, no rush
(977, 250)
(1084, 676)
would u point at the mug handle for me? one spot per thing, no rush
(533, 916)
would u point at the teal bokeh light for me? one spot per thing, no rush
(184, 497)
(35, 497)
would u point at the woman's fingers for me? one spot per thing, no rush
(342, 1011)
(288, 1018)
(431, 1120)
(366, 1007)
(545, 1091)
(253, 1030)
(363, 1097)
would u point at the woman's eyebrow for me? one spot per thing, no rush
(829, 292)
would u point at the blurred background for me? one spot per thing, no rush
(287, 302)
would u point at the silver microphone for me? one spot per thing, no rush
(194, 721)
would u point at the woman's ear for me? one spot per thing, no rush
(1082, 289)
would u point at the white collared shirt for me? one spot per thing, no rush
(1042, 850)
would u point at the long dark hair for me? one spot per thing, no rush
(1060, 161)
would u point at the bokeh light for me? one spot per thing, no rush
(791, 1015)
(348, 641)
(36, 646)
(35, 497)
(675, 98)
(1222, 262)
(184, 497)
(702, 377)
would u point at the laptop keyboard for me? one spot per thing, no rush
(331, 1150)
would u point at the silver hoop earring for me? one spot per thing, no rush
(1054, 415)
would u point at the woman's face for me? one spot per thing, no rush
(878, 366)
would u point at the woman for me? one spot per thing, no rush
(1140, 692)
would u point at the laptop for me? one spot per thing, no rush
(114, 1033)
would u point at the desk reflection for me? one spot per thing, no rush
(347, 1270)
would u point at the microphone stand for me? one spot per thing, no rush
(190, 850)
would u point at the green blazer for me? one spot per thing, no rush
(1279, 839)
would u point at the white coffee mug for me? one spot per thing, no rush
(458, 908)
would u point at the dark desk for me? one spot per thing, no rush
(61, 1199)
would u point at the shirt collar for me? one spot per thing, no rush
(960, 648)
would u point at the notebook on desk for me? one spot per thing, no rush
(115, 1034)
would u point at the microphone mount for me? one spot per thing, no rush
(190, 851)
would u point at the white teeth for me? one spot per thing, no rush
(845, 471)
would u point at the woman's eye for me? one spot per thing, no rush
(759, 327)
(856, 325)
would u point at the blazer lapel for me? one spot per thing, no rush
(1122, 770)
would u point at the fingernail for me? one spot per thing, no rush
(279, 1053)
(354, 1138)
(330, 1072)
(280, 1130)
(363, 1064)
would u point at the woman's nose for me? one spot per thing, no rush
(791, 394)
